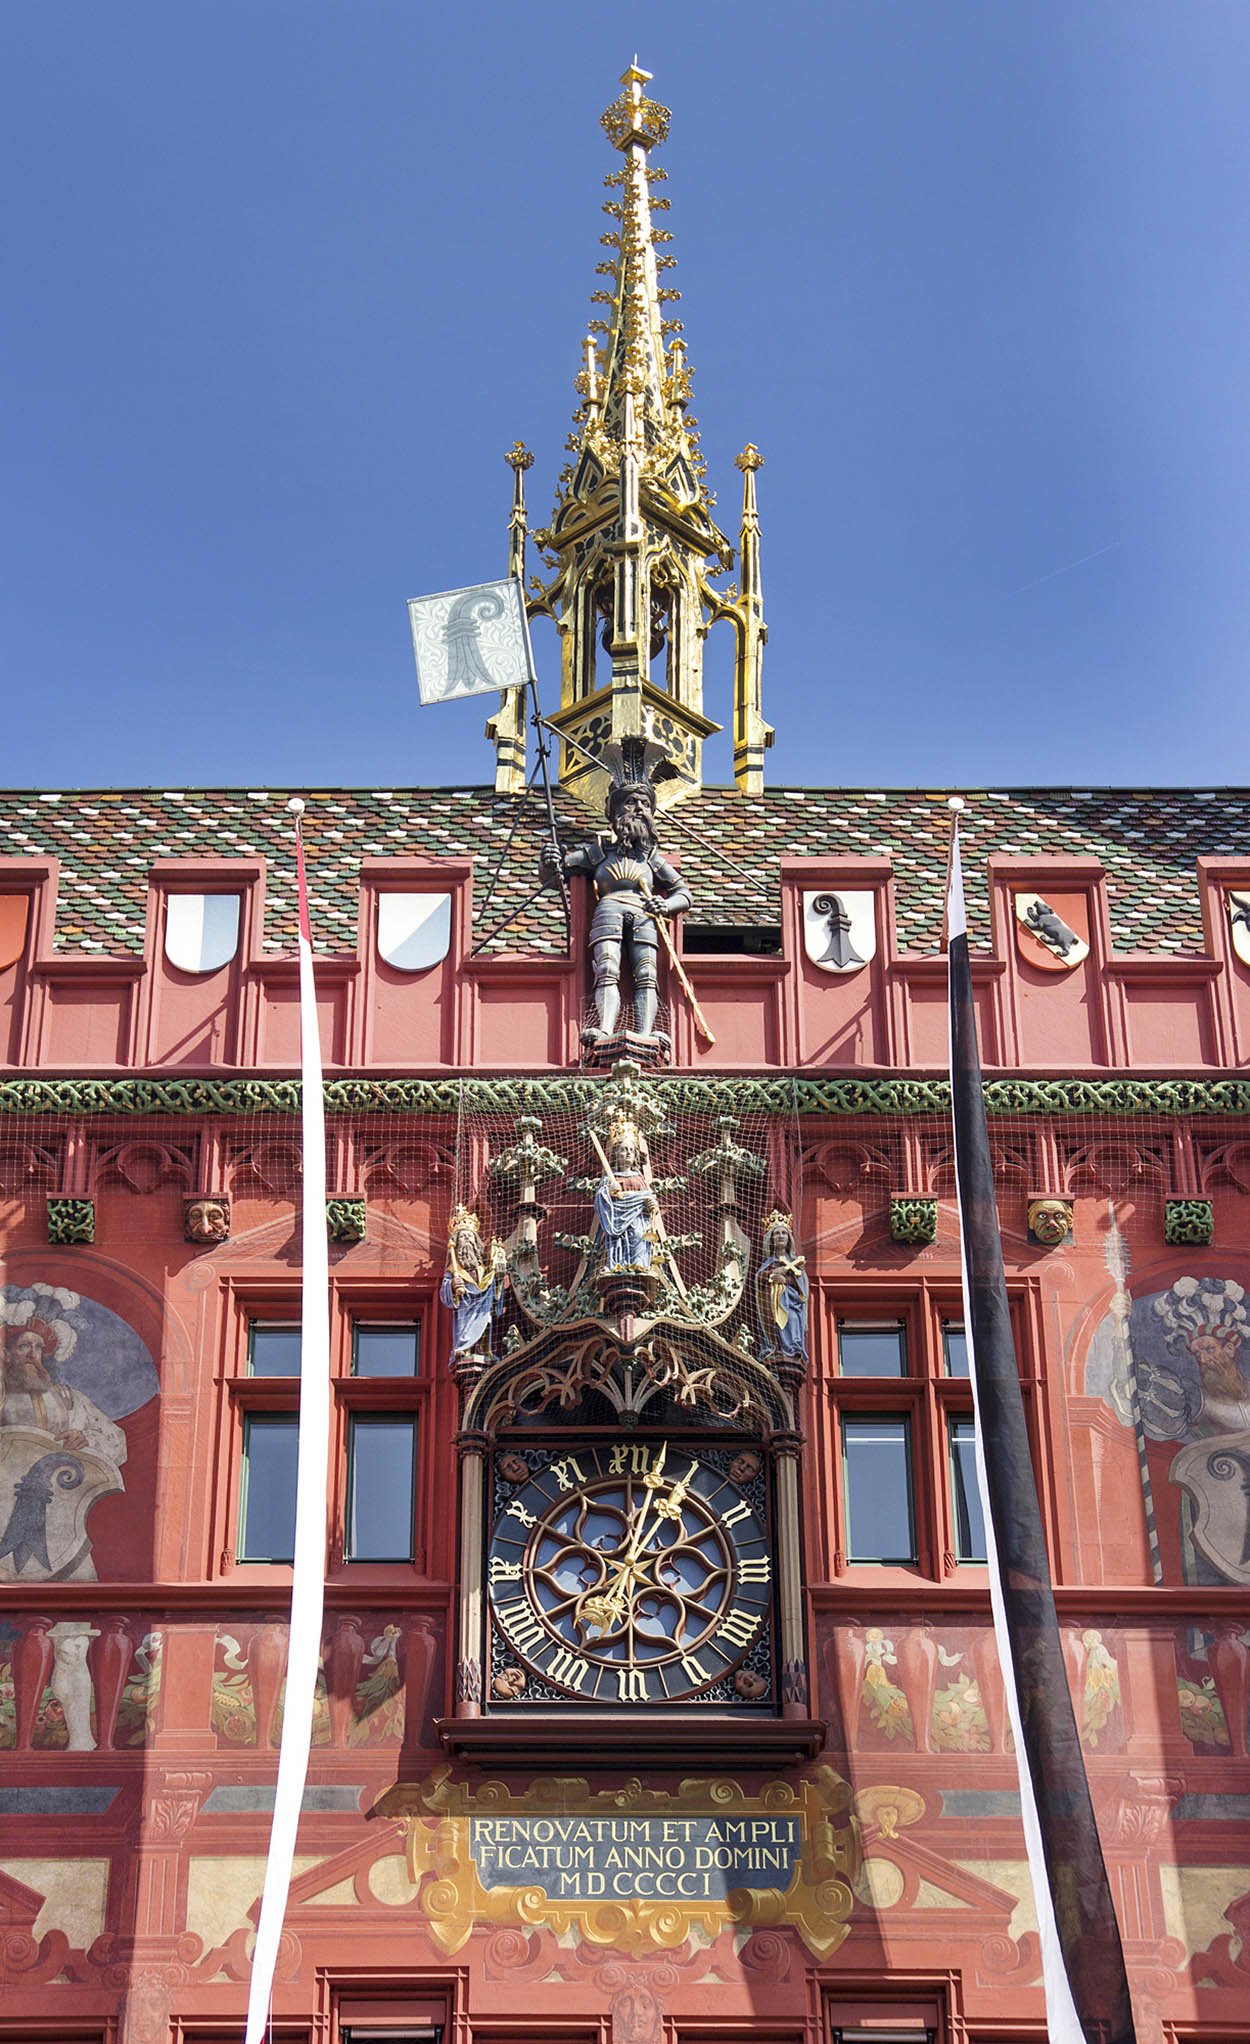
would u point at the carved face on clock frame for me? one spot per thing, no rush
(630, 1572)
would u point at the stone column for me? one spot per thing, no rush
(469, 1674)
(795, 1701)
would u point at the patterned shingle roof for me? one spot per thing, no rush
(107, 839)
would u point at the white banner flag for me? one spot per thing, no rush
(308, 1574)
(471, 642)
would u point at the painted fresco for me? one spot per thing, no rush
(71, 1370)
(1176, 1368)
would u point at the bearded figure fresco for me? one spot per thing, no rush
(69, 1370)
(1177, 1365)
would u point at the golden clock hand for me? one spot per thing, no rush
(652, 1481)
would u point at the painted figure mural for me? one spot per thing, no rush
(70, 1370)
(1177, 1366)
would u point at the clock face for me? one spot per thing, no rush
(630, 1572)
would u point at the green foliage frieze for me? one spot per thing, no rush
(346, 1220)
(71, 1221)
(913, 1221)
(1188, 1223)
(782, 1095)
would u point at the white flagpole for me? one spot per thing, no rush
(308, 1573)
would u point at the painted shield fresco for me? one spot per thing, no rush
(14, 916)
(470, 642)
(201, 931)
(839, 929)
(46, 1492)
(1052, 931)
(69, 1370)
(414, 930)
(1238, 903)
(1179, 1362)
(1216, 1477)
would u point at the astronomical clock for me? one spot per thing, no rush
(630, 1475)
(632, 1571)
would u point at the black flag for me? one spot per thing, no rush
(1087, 1995)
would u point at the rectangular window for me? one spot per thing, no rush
(872, 1348)
(381, 1486)
(955, 1348)
(273, 1349)
(386, 1351)
(880, 1511)
(965, 1495)
(267, 1500)
(370, 2034)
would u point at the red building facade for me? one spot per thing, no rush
(659, 1702)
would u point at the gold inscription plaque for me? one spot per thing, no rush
(633, 1867)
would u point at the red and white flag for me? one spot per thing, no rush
(308, 1573)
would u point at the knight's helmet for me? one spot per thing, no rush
(636, 765)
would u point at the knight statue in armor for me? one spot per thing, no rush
(634, 885)
(473, 1284)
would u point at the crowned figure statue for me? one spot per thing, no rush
(634, 887)
(625, 1206)
(473, 1283)
(782, 1291)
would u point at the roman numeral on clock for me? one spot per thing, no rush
(569, 1670)
(740, 1626)
(521, 1626)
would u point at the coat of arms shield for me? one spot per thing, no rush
(201, 931)
(1238, 900)
(14, 916)
(1052, 931)
(839, 929)
(414, 930)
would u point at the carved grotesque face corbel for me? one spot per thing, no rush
(206, 1219)
(1050, 1221)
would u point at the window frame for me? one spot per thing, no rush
(357, 1419)
(353, 1303)
(931, 1397)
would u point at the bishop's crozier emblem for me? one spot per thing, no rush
(839, 929)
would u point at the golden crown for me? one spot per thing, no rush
(778, 1220)
(464, 1217)
(622, 1129)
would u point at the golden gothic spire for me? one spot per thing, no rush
(632, 541)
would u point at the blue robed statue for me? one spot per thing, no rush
(473, 1283)
(782, 1291)
(625, 1205)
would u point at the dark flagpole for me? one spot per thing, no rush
(1087, 1994)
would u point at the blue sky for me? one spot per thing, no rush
(286, 278)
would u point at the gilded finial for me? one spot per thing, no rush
(750, 458)
(519, 456)
(633, 119)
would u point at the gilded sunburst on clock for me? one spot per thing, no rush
(632, 1572)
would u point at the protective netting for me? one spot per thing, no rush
(566, 1192)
